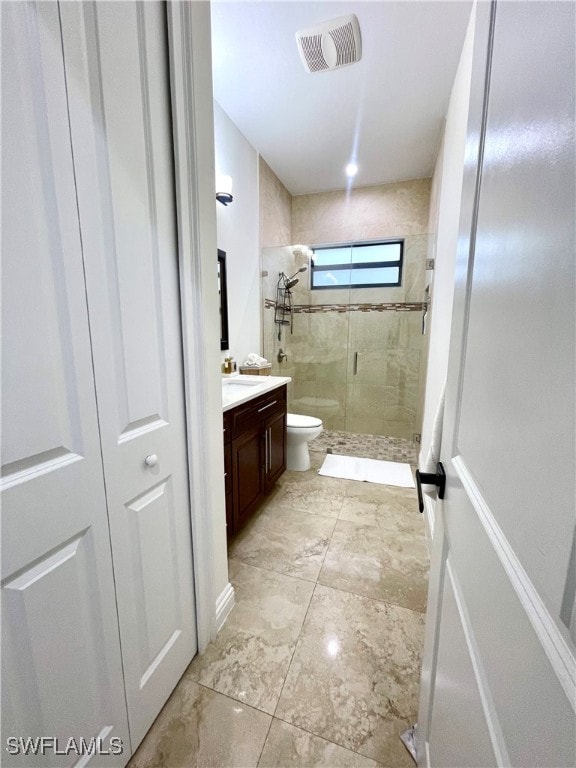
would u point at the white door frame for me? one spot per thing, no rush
(189, 50)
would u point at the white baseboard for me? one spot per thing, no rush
(224, 604)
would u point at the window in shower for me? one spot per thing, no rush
(358, 265)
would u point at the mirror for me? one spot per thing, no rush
(223, 295)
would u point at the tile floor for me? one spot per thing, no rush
(319, 662)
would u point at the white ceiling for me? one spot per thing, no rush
(386, 110)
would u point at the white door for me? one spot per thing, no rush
(61, 665)
(499, 668)
(117, 74)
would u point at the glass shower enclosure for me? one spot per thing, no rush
(355, 354)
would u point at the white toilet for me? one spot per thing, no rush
(300, 430)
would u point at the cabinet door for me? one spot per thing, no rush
(276, 445)
(248, 472)
(119, 99)
(61, 665)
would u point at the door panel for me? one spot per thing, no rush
(62, 672)
(117, 62)
(523, 697)
(457, 699)
(525, 256)
(506, 526)
(248, 473)
(56, 643)
(153, 533)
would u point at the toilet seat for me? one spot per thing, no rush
(296, 421)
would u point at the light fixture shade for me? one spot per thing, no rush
(224, 189)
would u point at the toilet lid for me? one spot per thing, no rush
(296, 421)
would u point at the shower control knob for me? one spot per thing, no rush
(151, 460)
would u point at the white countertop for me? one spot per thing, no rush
(240, 389)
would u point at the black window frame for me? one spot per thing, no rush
(360, 265)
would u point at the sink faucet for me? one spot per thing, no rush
(282, 356)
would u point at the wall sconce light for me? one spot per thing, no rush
(224, 189)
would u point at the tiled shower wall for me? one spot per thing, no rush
(381, 325)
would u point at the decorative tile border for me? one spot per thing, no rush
(311, 309)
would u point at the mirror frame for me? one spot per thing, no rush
(223, 296)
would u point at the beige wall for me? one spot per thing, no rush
(384, 211)
(275, 209)
(383, 396)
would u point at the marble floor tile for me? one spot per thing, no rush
(199, 728)
(383, 505)
(287, 746)
(284, 540)
(354, 676)
(250, 657)
(316, 459)
(378, 562)
(315, 495)
(291, 476)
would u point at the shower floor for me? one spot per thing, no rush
(365, 446)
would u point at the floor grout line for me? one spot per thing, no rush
(294, 651)
(369, 597)
(265, 740)
(323, 738)
(271, 570)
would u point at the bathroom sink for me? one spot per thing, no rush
(238, 386)
(238, 390)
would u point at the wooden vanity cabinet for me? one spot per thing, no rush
(255, 454)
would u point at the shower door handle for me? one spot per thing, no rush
(355, 370)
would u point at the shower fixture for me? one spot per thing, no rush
(284, 310)
(290, 282)
(303, 268)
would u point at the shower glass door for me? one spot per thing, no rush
(385, 343)
(315, 342)
(353, 352)
(329, 333)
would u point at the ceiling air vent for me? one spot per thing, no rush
(330, 45)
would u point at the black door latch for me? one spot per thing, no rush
(427, 478)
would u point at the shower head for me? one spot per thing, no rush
(303, 268)
(290, 282)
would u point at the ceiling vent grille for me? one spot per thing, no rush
(330, 45)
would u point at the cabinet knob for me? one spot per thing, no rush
(151, 460)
